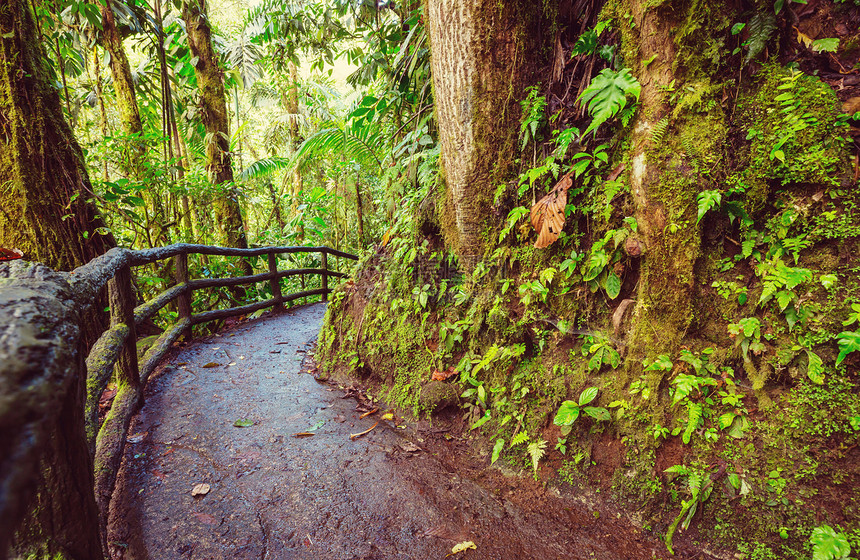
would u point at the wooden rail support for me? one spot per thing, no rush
(183, 302)
(122, 303)
(275, 283)
(324, 266)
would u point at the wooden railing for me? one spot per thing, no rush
(42, 397)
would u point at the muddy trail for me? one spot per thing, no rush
(235, 419)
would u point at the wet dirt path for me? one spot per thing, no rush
(395, 493)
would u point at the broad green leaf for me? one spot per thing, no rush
(613, 285)
(607, 94)
(815, 368)
(827, 544)
(497, 450)
(483, 420)
(726, 420)
(660, 363)
(587, 396)
(825, 45)
(848, 342)
(598, 413)
(567, 414)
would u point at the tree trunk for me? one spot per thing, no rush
(295, 138)
(213, 102)
(484, 54)
(123, 84)
(663, 180)
(44, 199)
(359, 212)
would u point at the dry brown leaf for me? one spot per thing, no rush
(368, 413)
(211, 365)
(442, 375)
(304, 434)
(205, 518)
(359, 434)
(547, 215)
(804, 39)
(200, 489)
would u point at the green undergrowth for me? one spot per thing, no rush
(746, 434)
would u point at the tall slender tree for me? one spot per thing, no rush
(213, 102)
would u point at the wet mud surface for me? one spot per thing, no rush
(405, 490)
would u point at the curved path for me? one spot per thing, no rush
(395, 493)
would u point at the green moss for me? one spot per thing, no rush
(794, 133)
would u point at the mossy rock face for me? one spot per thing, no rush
(437, 395)
(791, 120)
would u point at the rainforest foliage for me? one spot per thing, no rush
(619, 238)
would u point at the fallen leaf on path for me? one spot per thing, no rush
(205, 518)
(10, 254)
(359, 434)
(409, 447)
(211, 365)
(243, 423)
(304, 434)
(136, 438)
(442, 375)
(368, 413)
(232, 364)
(460, 547)
(388, 416)
(200, 489)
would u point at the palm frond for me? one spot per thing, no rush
(348, 143)
(264, 167)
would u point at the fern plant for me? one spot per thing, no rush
(607, 95)
(659, 131)
(537, 450)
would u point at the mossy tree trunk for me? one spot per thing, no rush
(44, 186)
(484, 54)
(213, 102)
(665, 177)
(123, 84)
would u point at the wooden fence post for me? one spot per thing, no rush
(122, 302)
(324, 259)
(183, 302)
(275, 283)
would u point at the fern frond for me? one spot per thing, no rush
(761, 26)
(537, 450)
(694, 419)
(659, 131)
(521, 437)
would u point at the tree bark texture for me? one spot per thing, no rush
(484, 54)
(44, 187)
(213, 110)
(123, 84)
(664, 182)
